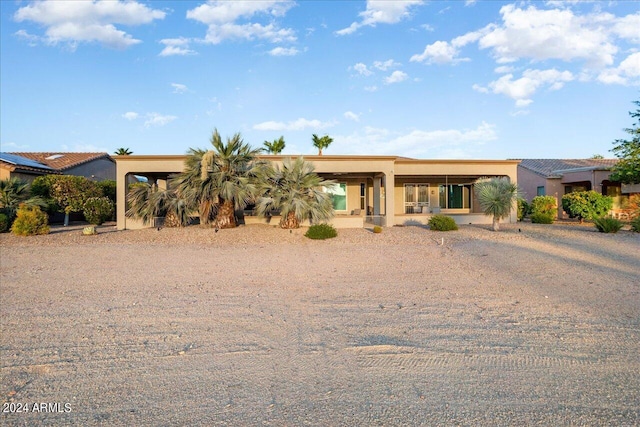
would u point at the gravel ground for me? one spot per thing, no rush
(535, 325)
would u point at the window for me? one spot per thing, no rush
(338, 193)
(455, 196)
(416, 198)
(541, 191)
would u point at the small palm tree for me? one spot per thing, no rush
(123, 152)
(274, 147)
(147, 202)
(297, 192)
(220, 180)
(321, 142)
(14, 192)
(496, 197)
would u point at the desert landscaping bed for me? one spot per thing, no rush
(534, 325)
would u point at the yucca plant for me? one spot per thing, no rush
(296, 191)
(496, 197)
(608, 224)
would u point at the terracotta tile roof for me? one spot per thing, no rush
(15, 162)
(62, 161)
(554, 167)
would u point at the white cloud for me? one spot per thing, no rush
(447, 143)
(179, 88)
(352, 116)
(178, 46)
(504, 69)
(628, 69)
(385, 65)
(523, 88)
(222, 19)
(12, 146)
(130, 115)
(396, 77)
(441, 52)
(282, 51)
(361, 69)
(373, 88)
(299, 124)
(480, 89)
(155, 119)
(381, 12)
(76, 22)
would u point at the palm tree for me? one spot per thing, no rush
(296, 191)
(321, 142)
(274, 147)
(14, 192)
(123, 152)
(147, 202)
(496, 197)
(220, 180)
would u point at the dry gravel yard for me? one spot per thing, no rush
(259, 326)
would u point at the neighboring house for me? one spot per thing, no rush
(12, 166)
(385, 190)
(94, 166)
(557, 177)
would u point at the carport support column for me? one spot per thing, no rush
(376, 195)
(389, 189)
(121, 196)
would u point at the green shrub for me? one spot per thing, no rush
(98, 210)
(544, 205)
(523, 209)
(608, 224)
(108, 187)
(321, 232)
(30, 220)
(4, 223)
(442, 223)
(377, 229)
(538, 218)
(587, 205)
(635, 224)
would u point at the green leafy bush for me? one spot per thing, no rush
(321, 232)
(4, 223)
(538, 218)
(377, 229)
(523, 209)
(98, 210)
(587, 205)
(108, 187)
(442, 223)
(607, 224)
(30, 220)
(635, 224)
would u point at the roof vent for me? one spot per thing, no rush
(54, 156)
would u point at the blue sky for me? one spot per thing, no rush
(425, 79)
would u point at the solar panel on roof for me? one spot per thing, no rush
(22, 161)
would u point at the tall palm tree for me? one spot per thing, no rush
(220, 180)
(321, 142)
(496, 197)
(274, 147)
(123, 152)
(296, 191)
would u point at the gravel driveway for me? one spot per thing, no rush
(534, 325)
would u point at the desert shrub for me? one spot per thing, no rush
(538, 218)
(523, 209)
(30, 220)
(442, 223)
(607, 224)
(377, 229)
(4, 223)
(635, 224)
(98, 210)
(587, 205)
(321, 232)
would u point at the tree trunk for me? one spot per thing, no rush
(496, 223)
(66, 219)
(290, 221)
(226, 217)
(171, 220)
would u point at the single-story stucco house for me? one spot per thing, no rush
(384, 190)
(557, 177)
(28, 166)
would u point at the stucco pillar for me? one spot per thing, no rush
(121, 197)
(389, 186)
(376, 195)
